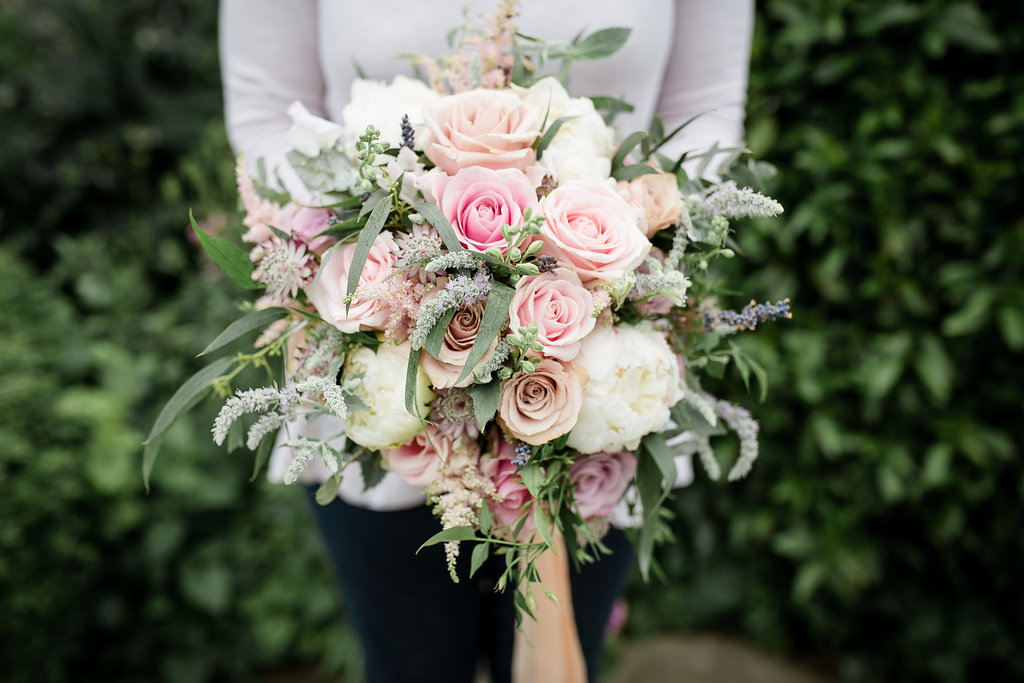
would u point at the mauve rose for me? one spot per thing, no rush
(489, 128)
(542, 405)
(560, 305)
(479, 202)
(658, 195)
(591, 229)
(498, 467)
(304, 224)
(458, 339)
(599, 480)
(416, 461)
(331, 285)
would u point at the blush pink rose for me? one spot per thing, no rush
(499, 468)
(331, 285)
(658, 195)
(560, 305)
(304, 224)
(599, 480)
(479, 202)
(542, 405)
(418, 459)
(489, 128)
(591, 229)
(458, 340)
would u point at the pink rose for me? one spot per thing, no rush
(331, 285)
(499, 468)
(658, 195)
(418, 459)
(304, 224)
(489, 128)
(599, 480)
(479, 202)
(542, 405)
(458, 339)
(592, 230)
(560, 305)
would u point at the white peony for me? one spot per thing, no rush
(385, 422)
(584, 146)
(632, 379)
(383, 105)
(309, 133)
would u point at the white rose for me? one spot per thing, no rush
(383, 105)
(584, 146)
(385, 422)
(632, 381)
(310, 134)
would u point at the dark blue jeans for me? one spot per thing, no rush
(416, 624)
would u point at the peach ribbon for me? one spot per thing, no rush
(547, 649)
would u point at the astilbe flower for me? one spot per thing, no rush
(488, 65)
(402, 298)
(259, 212)
(731, 201)
(285, 268)
(457, 496)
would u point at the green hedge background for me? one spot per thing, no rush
(879, 536)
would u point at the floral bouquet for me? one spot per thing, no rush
(496, 301)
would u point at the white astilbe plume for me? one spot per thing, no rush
(267, 424)
(701, 404)
(707, 458)
(262, 400)
(332, 394)
(735, 202)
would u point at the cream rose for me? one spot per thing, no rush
(331, 285)
(542, 405)
(489, 128)
(591, 229)
(458, 340)
(632, 382)
(383, 105)
(418, 459)
(658, 195)
(385, 422)
(560, 305)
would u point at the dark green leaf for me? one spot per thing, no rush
(480, 553)
(456, 533)
(627, 146)
(374, 225)
(492, 322)
(254, 321)
(485, 401)
(532, 477)
(550, 133)
(485, 519)
(235, 262)
(628, 173)
(262, 455)
(434, 217)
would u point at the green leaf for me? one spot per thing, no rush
(456, 533)
(182, 399)
(532, 477)
(485, 519)
(328, 490)
(262, 455)
(235, 262)
(934, 368)
(435, 337)
(550, 133)
(628, 173)
(253, 321)
(1011, 325)
(375, 198)
(971, 316)
(675, 131)
(603, 43)
(657, 447)
(485, 401)
(434, 217)
(281, 234)
(374, 225)
(543, 524)
(627, 146)
(492, 322)
(411, 378)
(480, 553)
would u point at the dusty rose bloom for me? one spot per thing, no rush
(542, 405)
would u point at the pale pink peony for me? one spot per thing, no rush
(658, 195)
(599, 480)
(418, 459)
(331, 284)
(489, 128)
(591, 229)
(479, 202)
(542, 405)
(560, 305)
(458, 340)
(499, 468)
(304, 224)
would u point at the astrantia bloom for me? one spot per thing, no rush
(632, 381)
(285, 268)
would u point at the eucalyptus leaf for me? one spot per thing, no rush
(456, 533)
(634, 171)
(374, 225)
(435, 337)
(550, 133)
(492, 322)
(434, 217)
(603, 43)
(253, 321)
(235, 262)
(627, 146)
(485, 401)
(328, 490)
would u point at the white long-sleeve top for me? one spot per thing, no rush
(683, 58)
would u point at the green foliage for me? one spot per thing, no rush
(882, 522)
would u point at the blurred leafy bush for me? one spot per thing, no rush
(110, 117)
(882, 523)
